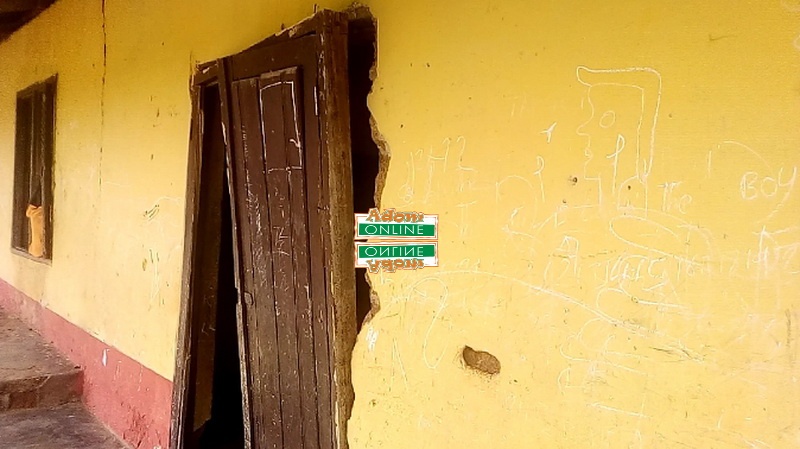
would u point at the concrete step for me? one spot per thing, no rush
(67, 426)
(32, 373)
(40, 393)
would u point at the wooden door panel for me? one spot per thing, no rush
(259, 310)
(298, 52)
(284, 115)
(281, 109)
(276, 117)
(279, 170)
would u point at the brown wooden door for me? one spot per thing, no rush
(279, 184)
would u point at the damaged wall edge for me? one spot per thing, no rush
(363, 39)
(370, 165)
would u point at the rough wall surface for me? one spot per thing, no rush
(122, 131)
(616, 184)
(617, 190)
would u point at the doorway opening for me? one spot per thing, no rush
(225, 428)
(362, 33)
(234, 367)
(217, 400)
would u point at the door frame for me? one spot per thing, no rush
(337, 213)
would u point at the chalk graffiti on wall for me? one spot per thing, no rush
(611, 289)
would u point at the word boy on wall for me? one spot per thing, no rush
(392, 240)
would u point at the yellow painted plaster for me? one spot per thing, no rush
(616, 185)
(121, 152)
(72, 49)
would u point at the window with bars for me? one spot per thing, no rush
(32, 233)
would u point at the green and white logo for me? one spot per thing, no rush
(425, 229)
(392, 240)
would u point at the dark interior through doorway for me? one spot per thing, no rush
(366, 155)
(218, 420)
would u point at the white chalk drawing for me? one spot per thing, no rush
(626, 144)
(549, 132)
(613, 279)
(372, 338)
(792, 6)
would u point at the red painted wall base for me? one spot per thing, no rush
(132, 400)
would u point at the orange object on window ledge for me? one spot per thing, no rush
(35, 216)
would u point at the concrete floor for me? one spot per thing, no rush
(32, 373)
(40, 392)
(67, 426)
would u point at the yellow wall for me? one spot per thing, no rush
(642, 296)
(656, 317)
(121, 154)
(50, 45)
